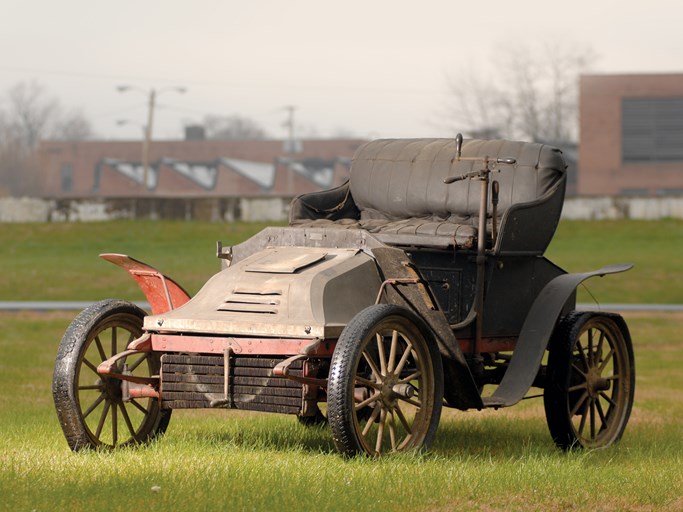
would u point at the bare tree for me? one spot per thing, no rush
(30, 112)
(27, 116)
(523, 94)
(72, 125)
(233, 127)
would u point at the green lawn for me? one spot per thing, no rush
(59, 261)
(230, 460)
(654, 247)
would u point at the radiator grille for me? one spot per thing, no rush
(194, 381)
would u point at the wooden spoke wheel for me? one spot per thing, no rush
(91, 408)
(385, 385)
(590, 381)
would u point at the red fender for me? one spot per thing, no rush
(162, 292)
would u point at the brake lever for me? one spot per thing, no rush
(476, 174)
(453, 179)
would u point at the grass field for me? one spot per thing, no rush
(228, 460)
(59, 261)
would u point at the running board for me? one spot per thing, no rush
(536, 332)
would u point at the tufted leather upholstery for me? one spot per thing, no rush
(397, 186)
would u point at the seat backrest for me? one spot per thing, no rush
(403, 178)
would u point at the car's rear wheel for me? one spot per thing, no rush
(590, 381)
(385, 385)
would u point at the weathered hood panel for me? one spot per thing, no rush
(301, 292)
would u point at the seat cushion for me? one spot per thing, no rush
(415, 231)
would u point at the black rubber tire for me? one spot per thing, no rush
(412, 422)
(590, 381)
(86, 403)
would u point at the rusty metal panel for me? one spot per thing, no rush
(286, 260)
(316, 300)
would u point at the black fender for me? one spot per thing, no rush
(412, 294)
(536, 332)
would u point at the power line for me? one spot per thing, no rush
(204, 83)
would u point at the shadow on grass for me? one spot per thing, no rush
(499, 437)
(273, 433)
(493, 438)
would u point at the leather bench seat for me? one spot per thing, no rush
(397, 192)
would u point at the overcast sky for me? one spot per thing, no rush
(371, 68)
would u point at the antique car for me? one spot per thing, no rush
(419, 283)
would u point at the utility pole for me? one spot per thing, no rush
(151, 104)
(291, 149)
(148, 138)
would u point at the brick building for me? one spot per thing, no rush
(631, 135)
(192, 168)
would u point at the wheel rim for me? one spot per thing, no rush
(110, 421)
(393, 389)
(599, 384)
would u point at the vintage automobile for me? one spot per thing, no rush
(420, 283)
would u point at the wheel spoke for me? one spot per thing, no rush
(591, 361)
(138, 406)
(392, 352)
(371, 420)
(126, 418)
(100, 348)
(403, 420)
(584, 415)
(583, 385)
(381, 353)
(380, 431)
(412, 376)
(606, 361)
(592, 418)
(113, 341)
(578, 404)
(373, 366)
(580, 349)
(92, 407)
(114, 425)
(601, 413)
(598, 350)
(90, 388)
(91, 366)
(608, 398)
(392, 430)
(410, 401)
(365, 382)
(368, 401)
(132, 367)
(404, 358)
(103, 418)
(583, 374)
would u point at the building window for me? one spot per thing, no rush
(652, 130)
(67, 177)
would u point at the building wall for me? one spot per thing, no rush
(602, 171)
(90, 174)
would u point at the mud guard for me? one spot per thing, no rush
(162, 292)
(536, 331)
(394, 264)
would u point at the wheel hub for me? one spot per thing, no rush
(596, 382)
(112, 389)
